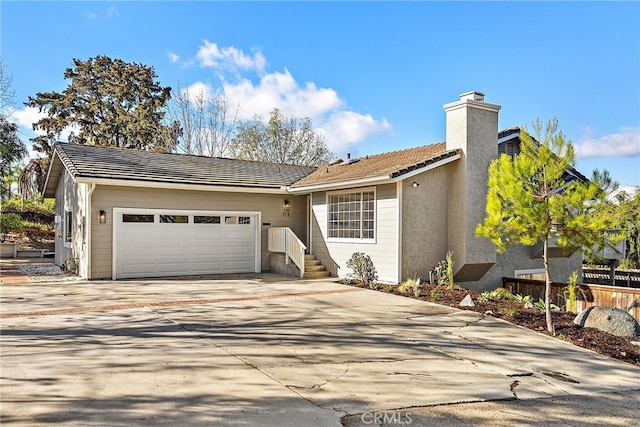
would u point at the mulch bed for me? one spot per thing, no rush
(531, 318)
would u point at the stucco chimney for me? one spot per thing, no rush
(472, 128)
(473, 95)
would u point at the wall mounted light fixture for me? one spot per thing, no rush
(286, 207)
(415, 184)
(102, 218)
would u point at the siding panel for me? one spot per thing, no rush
(383, 252)
(108, 197)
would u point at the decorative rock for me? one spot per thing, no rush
(609, 319)
(467, 301)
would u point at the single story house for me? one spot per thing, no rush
(131, 214)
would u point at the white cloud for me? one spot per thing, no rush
(345, 128)
(26, 117)
(622, 144)
(280, 90)
(112, 12)
(342, 127)
(91, 15)
(173, 57)
(229, 58)
(198, 90)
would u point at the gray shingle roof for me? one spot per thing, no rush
(88, 161)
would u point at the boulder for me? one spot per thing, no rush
(609, 319)
(467, 301)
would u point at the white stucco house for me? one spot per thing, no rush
(130, 214)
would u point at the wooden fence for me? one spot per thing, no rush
(608, 296)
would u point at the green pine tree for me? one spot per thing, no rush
(110, 102)
(531, 198)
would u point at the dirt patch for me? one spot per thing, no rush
(530, 318)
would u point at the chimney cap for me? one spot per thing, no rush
(473, 96)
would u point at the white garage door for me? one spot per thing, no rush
(156, 243)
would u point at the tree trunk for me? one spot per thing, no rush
(547, 288)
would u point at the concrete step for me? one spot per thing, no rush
(313, 268)
(316, 274)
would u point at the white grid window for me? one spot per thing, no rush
(352, 215)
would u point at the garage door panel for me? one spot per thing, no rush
(137, 253)
(138, 270)
(172, 268)
(206, 245)
(207, 258)
(237, 252)
(236, 266)
(167, 235)
(236, 256)
(178, 251)
(208, 231)
(204, 267)
(166, 249)
(138, 241)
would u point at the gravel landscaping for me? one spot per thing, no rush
(47, 272)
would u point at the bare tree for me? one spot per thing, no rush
(208, 123)
(6, 91)
(32, 178)
(283, 139)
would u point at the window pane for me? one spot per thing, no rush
(68, 225)
(351, 215)
(204, 219)
(174, 219)
(244, 220)
(137, 218)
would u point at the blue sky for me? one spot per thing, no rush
(373, 76)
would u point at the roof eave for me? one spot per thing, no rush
(181, 186)
(377, 180)
(51, 182)
(515, 135)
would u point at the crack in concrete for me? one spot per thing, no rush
(249, 364)
(560, 376)
(513, 387)
(410, 374)
(337, 377)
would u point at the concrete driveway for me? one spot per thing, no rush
(266, 350)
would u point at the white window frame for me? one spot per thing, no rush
(375, 215)
(67, 229)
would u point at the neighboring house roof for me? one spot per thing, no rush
(390, 165)
(509, 143)
(108, 163)
(508, 133)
